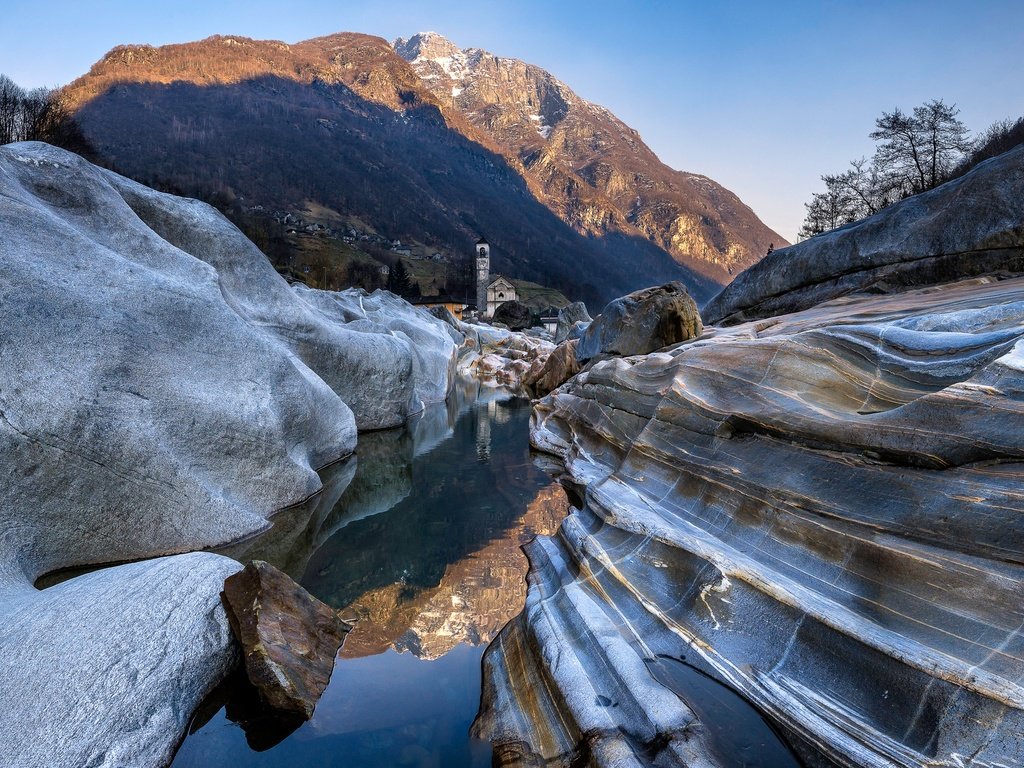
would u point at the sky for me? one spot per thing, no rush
(763, 97)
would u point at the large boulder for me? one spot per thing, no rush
(289, 639)
(820, 511)
(968, 227)
(568, 317)
(427, 341)
(642, 322)
(514, 315)
(162, 390)
(106, 669)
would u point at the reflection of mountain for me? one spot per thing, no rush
(441, 559)
(477, 595)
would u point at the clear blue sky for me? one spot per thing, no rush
(763, 97)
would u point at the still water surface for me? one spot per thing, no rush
(417, 542)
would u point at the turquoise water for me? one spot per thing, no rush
(416, 541)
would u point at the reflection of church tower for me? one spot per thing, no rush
(483, 431)
(483, 274)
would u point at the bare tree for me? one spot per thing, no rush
(38, 115)
(916, 152)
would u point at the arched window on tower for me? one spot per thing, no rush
(483, 251)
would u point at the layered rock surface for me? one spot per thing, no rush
(163, 390)
(968, 227)
(821, 510)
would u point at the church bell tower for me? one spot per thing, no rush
(483, 274)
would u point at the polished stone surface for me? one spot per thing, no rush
(822, 510)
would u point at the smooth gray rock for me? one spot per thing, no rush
(823, 512)
(968, 227)
(106, 669)
(411, 332)
(162, 390)
(641, 322)
(568, 317)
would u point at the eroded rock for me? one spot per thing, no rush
(968, 227)
(289, 639)
(642, 322)
(554, 370)
(822, 511)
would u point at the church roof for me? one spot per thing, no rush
(495, 279)
(482, 241)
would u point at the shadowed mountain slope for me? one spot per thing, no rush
(345, 123)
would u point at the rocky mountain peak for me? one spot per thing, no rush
(429, 46)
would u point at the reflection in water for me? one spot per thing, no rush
(417, 539)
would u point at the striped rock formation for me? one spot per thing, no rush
(821, 511)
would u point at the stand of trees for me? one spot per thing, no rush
(916, 151)
(38, 115)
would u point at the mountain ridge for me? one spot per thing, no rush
(345, 122)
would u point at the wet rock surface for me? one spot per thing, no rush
(289, 639)
(642, 322)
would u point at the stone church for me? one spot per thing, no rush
(491, 292)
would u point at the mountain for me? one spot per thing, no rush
(596, 172)
(352, 140)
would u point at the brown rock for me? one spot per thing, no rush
(560, 366)
(289, 638)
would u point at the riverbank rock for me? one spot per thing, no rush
(289, 639)
(411, 334)
(642, 322)
(106, 669)
(501, 356)
(968, 227)
(568, 317)
(821, 510)
(162, 390)
(551, 372)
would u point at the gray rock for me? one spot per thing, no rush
(163, 390)
(405, 360)
(513, 315)
(568, 317)
(968, 227)
(822, 512)
(642, 322)
(106, 669)
(578, 329)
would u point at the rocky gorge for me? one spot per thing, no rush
(808, 500)
(815, 503)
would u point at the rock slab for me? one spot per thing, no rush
(968, 227)
(289, 638)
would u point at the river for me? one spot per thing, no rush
(416, 542)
